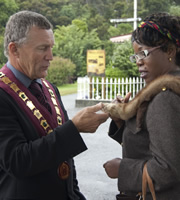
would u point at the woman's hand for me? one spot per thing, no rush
(112, 167)
(120, 99)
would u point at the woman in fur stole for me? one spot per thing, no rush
(148, 127)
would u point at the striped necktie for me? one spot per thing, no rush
(37, 90)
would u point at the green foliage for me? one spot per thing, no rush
(120, 60)
(3, 59)
(175, 2)
(7, 7)
(100, 24)
(121, 29)
(69, 11)
(113, 72)
(119, 8)
(60, 71)
(64, 20)
(154, 6)
(85, 11)
(80, 25)
(108, 46)
(73, 43)
(49, 8)
(113, 31)
(125, 28)
(175, 10)
(97, 13)
(102, 31)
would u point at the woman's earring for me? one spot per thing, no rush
(170, 59)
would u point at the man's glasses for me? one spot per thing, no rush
(142, 54)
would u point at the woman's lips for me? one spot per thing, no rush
(143, 74)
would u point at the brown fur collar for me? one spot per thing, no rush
(139, 104)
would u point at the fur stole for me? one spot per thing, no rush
(139, 104)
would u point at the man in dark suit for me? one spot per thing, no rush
(37, 140)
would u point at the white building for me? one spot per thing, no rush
(120, 38)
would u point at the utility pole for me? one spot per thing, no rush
(135, 14)
(135, 19)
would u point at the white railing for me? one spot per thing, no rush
(107, 88)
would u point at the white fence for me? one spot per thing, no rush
(107, 88)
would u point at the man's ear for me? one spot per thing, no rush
(13, 50)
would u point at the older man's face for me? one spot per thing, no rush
(35, 54)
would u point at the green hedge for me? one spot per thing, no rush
(113, 72)
(61, 71)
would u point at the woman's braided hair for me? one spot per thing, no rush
(159, 29)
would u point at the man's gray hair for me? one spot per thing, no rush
(19, 24)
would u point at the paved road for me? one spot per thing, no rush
(93, 181)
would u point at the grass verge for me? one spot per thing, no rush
(68, 89)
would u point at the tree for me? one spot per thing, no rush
(101, 25)
(176, 2)
(69, 11)
(85, 24)
(60, 71)
(175, 10)
(154, 6)
(120, 59)
(82, 25)
(113, 31)
(48, 8)
(125, 28)
(3, 59)
(7, 7)
(63, 20)
(119, 8)
(73, 43)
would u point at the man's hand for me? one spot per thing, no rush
(87, 120)
(112, 167)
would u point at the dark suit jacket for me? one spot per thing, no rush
(28, 163)
(157, 143)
